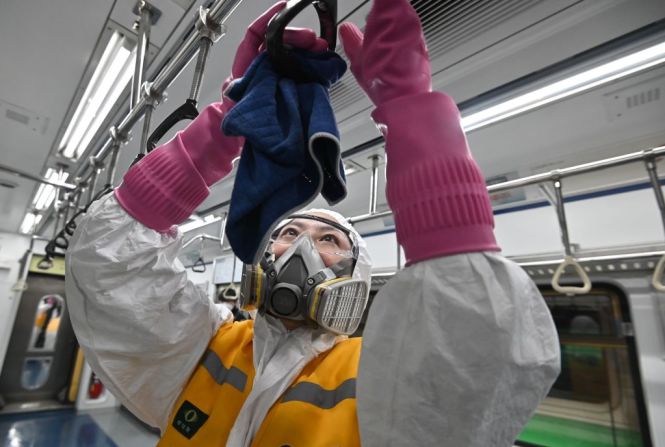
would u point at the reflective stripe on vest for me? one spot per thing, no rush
(316, 395)
(233, 376)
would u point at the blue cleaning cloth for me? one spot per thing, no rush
(291, 152)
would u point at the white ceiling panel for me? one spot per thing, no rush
(45, 46)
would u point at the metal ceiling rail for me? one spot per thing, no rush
(207, 25)
(556, 174)
(598, 165)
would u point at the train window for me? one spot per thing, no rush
(596, 400)
(35, 372)
(46, 323)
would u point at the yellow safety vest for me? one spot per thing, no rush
(319, 409)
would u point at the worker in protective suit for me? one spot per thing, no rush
(458, 349)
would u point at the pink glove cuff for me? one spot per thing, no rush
(434, 187)
(164, 188)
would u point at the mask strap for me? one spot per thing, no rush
(343, 267)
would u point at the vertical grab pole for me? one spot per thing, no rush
(374, 184)
(399, 254)
(142, 25)
(145, 134)
(113, 164)
(650, 161)
(92, 183)
(569, 259)
(561, 215)
(97, 170)
(222, 231)
(204, 48)
(58, 216)
(83, 186)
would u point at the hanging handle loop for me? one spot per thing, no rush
(199, 266)
(568, 260)
(46, 263)
(650, 162)
(280, 56)
(231, 291)
(61, 241)
(657, 278)
(187, 111)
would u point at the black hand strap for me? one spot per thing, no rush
(187, 111)
(280, 56)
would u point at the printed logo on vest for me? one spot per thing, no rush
(189, 419)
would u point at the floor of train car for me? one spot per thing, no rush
(69, 428)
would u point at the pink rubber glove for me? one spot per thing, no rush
(167, 185)
(434, 187)
(393, 33)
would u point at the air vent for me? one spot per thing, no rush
(642, 98)
(7, 184)
(447, 25)
(19, 116)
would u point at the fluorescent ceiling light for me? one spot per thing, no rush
(29, 222)
(107, 83)
(611, 71)
(46, 193)
(198, 223)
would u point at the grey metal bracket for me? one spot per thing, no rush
(155, 13)
(207, 27)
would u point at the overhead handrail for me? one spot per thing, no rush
(568, 260)
(188, 110)
(280, 56)
(657, 278)
(21, 283)
(209, 23)
(232, 291)
(199, 266)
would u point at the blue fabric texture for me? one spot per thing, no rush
(292, 150)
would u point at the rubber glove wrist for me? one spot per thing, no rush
(164, 188)
(434, 187)
(211, 151)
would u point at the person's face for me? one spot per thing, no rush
(332, 244)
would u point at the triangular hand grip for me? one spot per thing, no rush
(571, 290)
(199, 266)
(657, 278)
(231, 292)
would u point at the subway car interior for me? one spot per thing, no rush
(563, 105)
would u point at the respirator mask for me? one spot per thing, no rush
(292, 280)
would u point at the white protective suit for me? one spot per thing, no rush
(478, 346)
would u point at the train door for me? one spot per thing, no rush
(597, 400)
(42, 346)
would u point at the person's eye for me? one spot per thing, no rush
(330, 238)
(289, 233)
